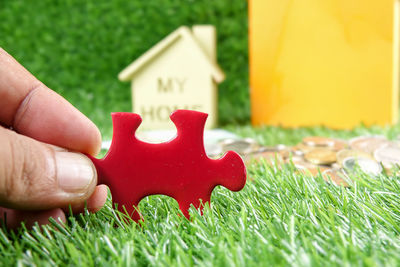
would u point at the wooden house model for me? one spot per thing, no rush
(179, 72)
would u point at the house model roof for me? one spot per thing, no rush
(182, 32)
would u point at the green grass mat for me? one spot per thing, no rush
(279, 218)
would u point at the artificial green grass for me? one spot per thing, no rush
(280, 218)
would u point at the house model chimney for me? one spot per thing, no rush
(205, 35)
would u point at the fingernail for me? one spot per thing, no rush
(75, 172)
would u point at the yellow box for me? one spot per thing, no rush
(324, 62)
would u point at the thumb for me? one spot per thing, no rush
(34, 175)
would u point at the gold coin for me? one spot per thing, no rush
(328, 175)
(295, 159)
(301, 149)
(313, 171)
(318, 141)
(347, 153)
(335, 177)
(389, 170)
(287, 153)
(339, 144)
(321, 156)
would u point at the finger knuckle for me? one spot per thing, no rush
(21, 177)
(11, 187)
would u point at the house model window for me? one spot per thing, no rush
(179, 72)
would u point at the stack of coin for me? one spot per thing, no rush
(319, 156)
(334, 158)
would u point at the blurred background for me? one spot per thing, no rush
(77, 48)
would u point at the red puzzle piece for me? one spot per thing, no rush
(178, 168)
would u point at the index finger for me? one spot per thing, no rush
(34, 110)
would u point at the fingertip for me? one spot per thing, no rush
(96, 147)
(94, 203)
(98, 198)
(93, 146)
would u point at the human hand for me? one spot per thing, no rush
(39, 176)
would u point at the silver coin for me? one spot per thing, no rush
(346, 153)
(367, 165)
(389, 155)
(267, 149)
(368, 143)
(280, 147)
(318, 141)
(298, 153)
(213, 149)
(241, 146)
(336, 166)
